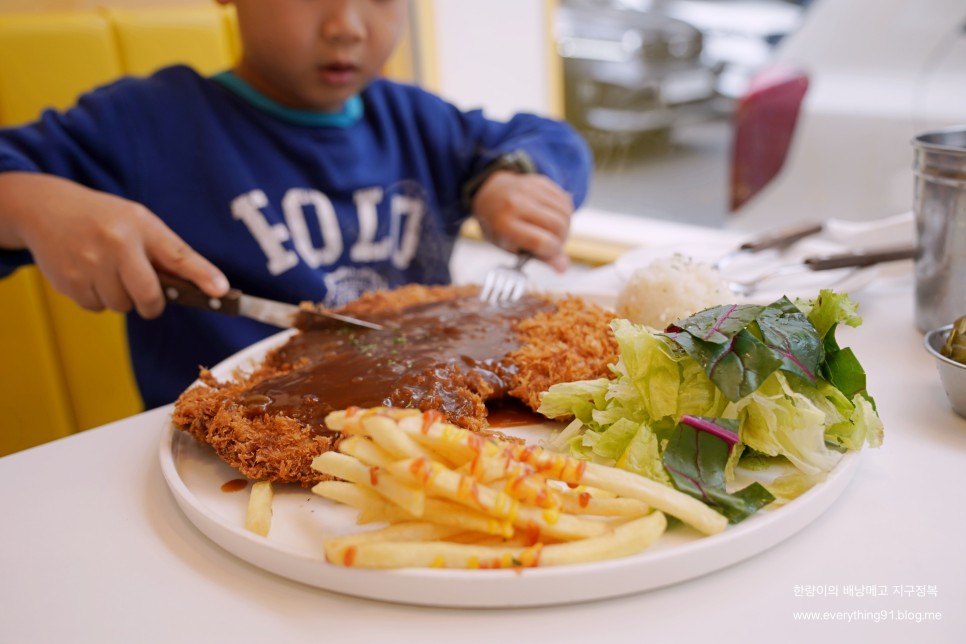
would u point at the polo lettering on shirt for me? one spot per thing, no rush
(398, 246)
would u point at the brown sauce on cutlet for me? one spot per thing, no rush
(512, 413)
(428, 356)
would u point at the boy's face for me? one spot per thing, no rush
(315, 54)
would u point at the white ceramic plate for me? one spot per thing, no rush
(293, 549)
(804, 284)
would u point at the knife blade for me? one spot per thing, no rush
(280, 314)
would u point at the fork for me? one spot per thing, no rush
(855, 260)
(747, 288)
(506, 284)
(779, 239)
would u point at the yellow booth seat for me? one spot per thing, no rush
(63, 369)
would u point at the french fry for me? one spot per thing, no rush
(571, 470)
(438, 554)
(258, 517)
(626, 539)
(439, 480)
(629, 538)
(454, 498)
(624, 483)
(355, 421)
(606, 507)
(375, 478)
(442, 481)
(349, 421)
(668, 500)
(342, 550)
(356, 496)
(478, 539)
(444, 513)
(457, 444)
(365, 450)
(385, 432)
(372, 507)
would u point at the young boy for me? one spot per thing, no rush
(299, 175)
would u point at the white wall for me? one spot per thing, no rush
(881, 71)
(492, 54)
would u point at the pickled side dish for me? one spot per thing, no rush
(955, 346)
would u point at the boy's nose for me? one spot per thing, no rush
(343, 22)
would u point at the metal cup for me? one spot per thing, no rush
(940, 211)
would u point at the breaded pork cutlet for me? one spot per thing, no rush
(440, 348)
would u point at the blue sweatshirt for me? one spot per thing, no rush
(290, 205)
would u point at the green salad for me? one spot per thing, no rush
(735, 385)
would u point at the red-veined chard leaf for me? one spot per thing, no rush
(788, 332)
(740, 345)
(695, 457)
(737, 368)
(719, 324)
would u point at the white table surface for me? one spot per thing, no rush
(93, 547)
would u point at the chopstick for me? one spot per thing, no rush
(580, 248)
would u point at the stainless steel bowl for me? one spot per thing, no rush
(951, 373)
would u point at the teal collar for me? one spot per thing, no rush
(348, 115)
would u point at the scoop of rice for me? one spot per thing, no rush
(670, 289)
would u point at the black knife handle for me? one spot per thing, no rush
(185, 293)
(781, 238)
(859, 258)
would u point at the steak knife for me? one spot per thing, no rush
(280, 314)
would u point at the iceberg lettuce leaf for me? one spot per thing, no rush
(779, 421)
(829, 309)
(577, 399)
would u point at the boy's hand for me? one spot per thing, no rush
(525, 212)
(100, 250)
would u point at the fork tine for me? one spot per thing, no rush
(488, 285)
(516, 289)
(494, 285)
(505, 284)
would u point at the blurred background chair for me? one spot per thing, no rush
(764, 123)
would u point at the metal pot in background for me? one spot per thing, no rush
(940, 211)
(630, 71)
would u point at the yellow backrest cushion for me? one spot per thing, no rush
(34, 402)
(151, 38)
(47, 60)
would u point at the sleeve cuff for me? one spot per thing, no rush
(517, 161)
(11, 260)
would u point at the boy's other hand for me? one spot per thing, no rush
(528, 212)
(100, 250)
